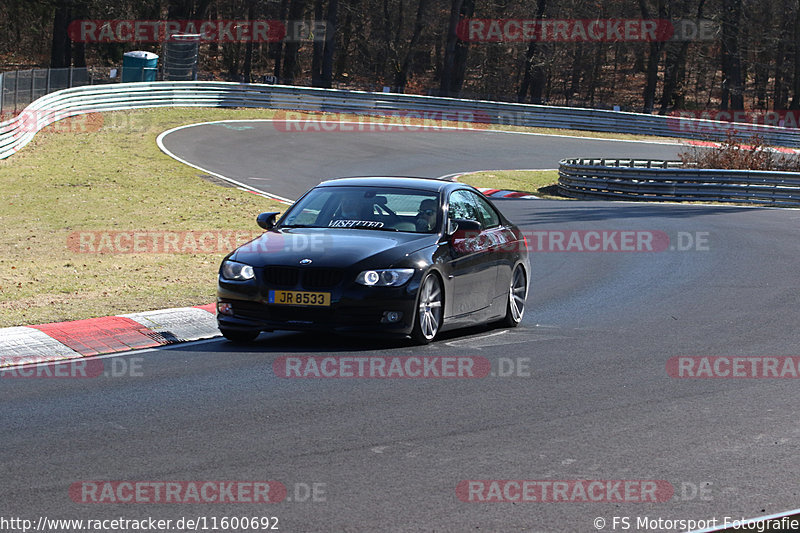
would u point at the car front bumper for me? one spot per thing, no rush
(353, 309)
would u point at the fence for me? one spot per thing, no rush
(20, 88)
(646, 179)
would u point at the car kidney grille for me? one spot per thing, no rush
(284, 276)
(309, 278)
(319, 278)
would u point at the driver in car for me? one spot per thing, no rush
(426, 216)
(352, 208)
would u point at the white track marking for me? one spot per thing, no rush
(160, 143)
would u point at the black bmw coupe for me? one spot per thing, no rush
(377, 255)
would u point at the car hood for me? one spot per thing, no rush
(329, 247)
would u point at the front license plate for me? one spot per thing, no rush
(320, 299)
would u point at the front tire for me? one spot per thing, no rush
(517, 294)
(240, 336)
(428, 316)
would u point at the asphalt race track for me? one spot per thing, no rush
(590, 397)
(264, 155)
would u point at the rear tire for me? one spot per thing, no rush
(517, 294)
(428, 315)
(239, 336)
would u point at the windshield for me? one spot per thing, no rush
(376, 208)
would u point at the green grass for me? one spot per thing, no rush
(539, 182)
(111, 179)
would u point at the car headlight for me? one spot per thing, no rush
(392, 277)
(236, 271)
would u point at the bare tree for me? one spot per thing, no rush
(654, 56)
(532, 71)
(732, 90)
(61, 51)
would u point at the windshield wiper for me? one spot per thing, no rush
(384, 229)
(297, 226)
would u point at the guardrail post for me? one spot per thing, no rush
(47, 89)
(33, 84)
(70, 77)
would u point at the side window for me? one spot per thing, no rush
(461, 206)
(486, 213)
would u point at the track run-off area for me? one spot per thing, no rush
(602, 382)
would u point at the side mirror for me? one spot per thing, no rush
(267, 220)
(452, 227)
(464, 228)
(460, 233)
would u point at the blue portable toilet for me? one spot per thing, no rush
(139, 66)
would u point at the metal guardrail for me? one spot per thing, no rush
(647, 179)
(19, 88)
(15, 133)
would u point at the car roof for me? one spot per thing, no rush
(428, 184)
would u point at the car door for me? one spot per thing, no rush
(473, 274)
(498, 241)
